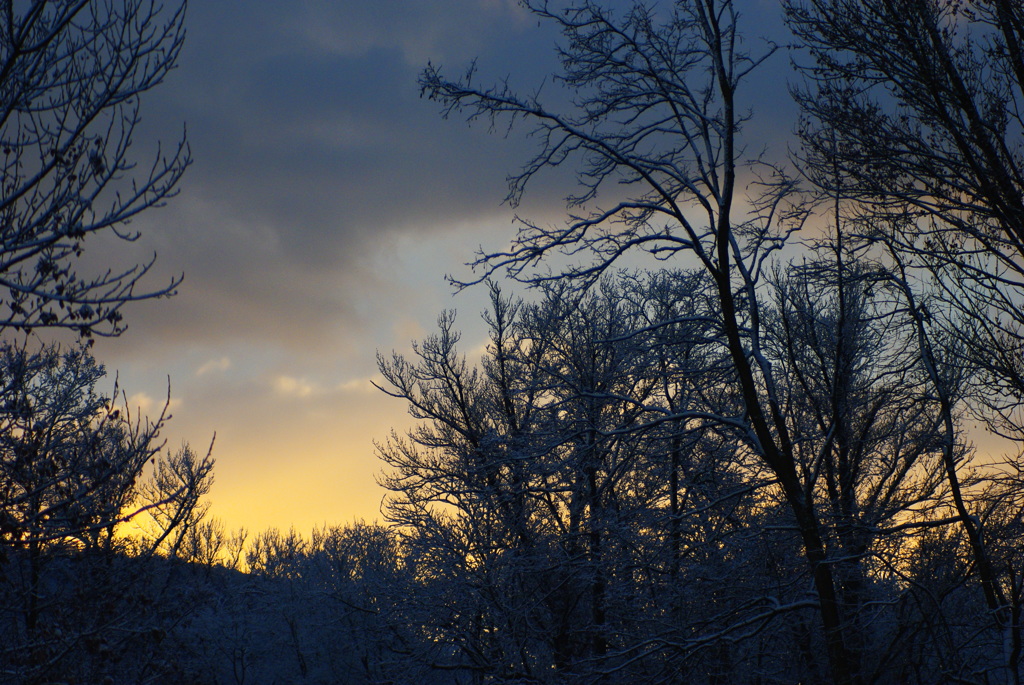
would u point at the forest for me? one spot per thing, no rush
(732, 421)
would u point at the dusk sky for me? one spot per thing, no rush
(325, 205)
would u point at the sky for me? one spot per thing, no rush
(325, 205)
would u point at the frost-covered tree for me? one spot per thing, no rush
(69, 456)
(654, 107)
(592, 526)
(912, 119)
(842, 392)
(73, 461)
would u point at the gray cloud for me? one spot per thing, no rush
(315, 154)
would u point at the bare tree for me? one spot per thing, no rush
(69, 456)
(594, 529)
(912, 118)
(72, 465)
(71, 78)
(913, 110)
(917, 103)
(172, 501)
(655, 109)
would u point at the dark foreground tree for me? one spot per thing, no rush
(844, 393)
(576, 507)
(72, 75)
(912, 116)
(71, 78)
(69, 457)
(72, 465)
(655, 109)
(539, 506)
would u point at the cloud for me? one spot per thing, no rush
(222, 364)
(142, 402)
(359, 385)
(299, 387)
(417, 31)
(316, 164)
(142, 405)
(290, 386)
